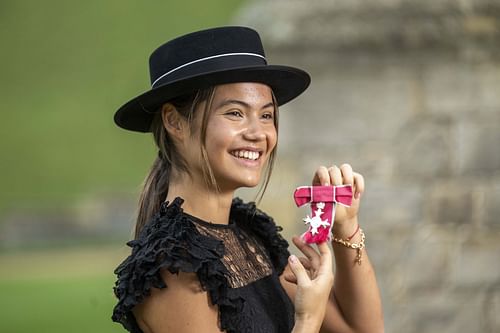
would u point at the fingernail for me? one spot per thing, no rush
(293, 259)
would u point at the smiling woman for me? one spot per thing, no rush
(203, 261)
(241, 134)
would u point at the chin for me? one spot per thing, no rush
(234, 184)
(252, 181)
(250, 185)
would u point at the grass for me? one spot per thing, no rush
(66, 67)
(59, 291)
(57, 305)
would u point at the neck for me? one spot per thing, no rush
(201, 201)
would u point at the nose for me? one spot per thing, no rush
(254, 130)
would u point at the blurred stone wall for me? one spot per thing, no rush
(408, 92)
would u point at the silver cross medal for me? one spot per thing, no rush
(315, 222)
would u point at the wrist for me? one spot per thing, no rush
(356, 242)
(345, 229)
(306, 323)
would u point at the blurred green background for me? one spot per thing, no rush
(65, 68)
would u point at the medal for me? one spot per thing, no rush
(323, 200)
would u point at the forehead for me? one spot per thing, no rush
(252, 93)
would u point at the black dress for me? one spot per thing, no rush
(237, 264)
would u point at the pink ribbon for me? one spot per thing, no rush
(323, 200)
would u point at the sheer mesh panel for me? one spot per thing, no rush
(244, 257)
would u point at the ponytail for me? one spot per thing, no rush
(155, 186)
(155, 190)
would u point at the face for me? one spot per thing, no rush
(240, 134)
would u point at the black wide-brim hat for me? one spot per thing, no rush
(203, 59)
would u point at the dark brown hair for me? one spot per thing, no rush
(156, 184)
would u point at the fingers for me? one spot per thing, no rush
(315, 261)
(342, 175)
(290, 277)
(306, 263)
(302, 269)
(324, 250)
(321, 177)
(325, 259)
(298, 270)
(309, 252)
(359, 184)
(347, 174)
(335, 175)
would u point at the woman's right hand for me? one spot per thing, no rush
(314, 279)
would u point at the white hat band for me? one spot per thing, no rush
(206, 58)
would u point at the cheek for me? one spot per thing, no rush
(218, 138)
(272, 139)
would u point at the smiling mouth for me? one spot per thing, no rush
(246, 154)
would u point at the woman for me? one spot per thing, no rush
(202, 261)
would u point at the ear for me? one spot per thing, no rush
(173, 121)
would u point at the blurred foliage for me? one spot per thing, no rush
(66, 67)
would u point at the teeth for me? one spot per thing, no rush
(250, 155)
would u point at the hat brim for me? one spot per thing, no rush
(286, 83)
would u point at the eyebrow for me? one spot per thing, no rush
(244, 104)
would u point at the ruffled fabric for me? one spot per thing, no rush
(171, 241)
(248, 216)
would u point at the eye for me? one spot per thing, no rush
(268, 115)
(233, 113)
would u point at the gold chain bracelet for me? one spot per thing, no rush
(358, 247)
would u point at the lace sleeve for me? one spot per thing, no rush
(170, 241)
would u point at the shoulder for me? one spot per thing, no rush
(264, 227)
(167, 246)
(182, 307)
